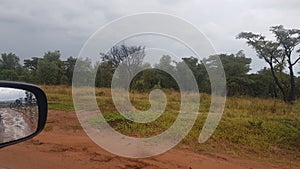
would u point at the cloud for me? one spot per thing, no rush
(8, 94)
(32, 27)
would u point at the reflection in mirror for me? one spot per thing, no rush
(18, 114)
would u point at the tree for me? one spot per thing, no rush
(31, 64)
(265, 83)
(7, 74)
(83, 72)
(288, 40)
(146, 80)
(68, 67)
(9, 63)
(52, 56)
(126, 61)
(260, 85)
(198, 70)
(50, 68)
(165, 69)
(131, 55)
(236, 68)
(275, 54)
(30, 70)
(104, 74)
(298, 88)
(47, 72)
(235, 65)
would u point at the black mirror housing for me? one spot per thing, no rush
(40, 101)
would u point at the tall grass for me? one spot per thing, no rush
(256, 127)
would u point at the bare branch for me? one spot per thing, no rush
(296, 61)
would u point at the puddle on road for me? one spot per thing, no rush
(14, 124)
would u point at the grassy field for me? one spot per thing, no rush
(266, 129)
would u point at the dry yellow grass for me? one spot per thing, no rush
(257, 127)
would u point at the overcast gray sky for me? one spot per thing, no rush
(9, 94)
(32, 27)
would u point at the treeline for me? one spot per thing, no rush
(47, 70)
(52, 70)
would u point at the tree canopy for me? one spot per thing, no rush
(277, 80)
(279, 54)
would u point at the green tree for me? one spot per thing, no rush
(266, 82)
(288, 40)
(278, 55)
(164, 70)
(104, 74)
(31, 64)
(236, 68)
(83, 72)
(194, 66)
(50, 69)
(68, 69)
(146, 80)
(30, 70)
(9, 63)
(47, 72)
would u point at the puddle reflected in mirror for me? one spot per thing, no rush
(18, 114)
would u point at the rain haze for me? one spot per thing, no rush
(30, 27)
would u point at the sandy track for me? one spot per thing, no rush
(63, 145)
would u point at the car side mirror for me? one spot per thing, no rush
(23, 112)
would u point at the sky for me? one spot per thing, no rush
(30, 28)
(9, 94)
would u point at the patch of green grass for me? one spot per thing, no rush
(125, 126)
(59, 97)
(59, 102)
(254, 127)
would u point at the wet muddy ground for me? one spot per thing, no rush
(16, 124)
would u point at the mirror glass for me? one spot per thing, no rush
(18, 114)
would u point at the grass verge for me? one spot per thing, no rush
(254, 127)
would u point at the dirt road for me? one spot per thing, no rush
(15, 124)
(64, 145)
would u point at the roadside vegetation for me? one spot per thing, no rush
(278, 79)
(262, 112)
(263, 129)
